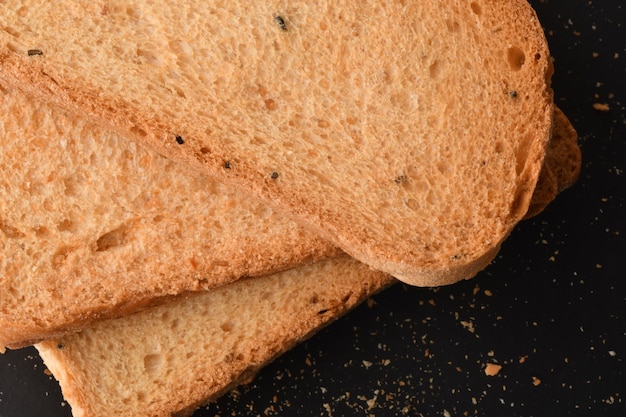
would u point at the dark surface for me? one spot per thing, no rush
(551, 309)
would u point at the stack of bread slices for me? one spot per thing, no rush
(188, 190)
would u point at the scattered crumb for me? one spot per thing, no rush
(601, 106)
(536, 381)
(492, 369)
(523, 359)
(468, 325)
(488, 293)
(367, 364)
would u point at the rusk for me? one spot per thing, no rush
(93, 226)
(409, 133)
(173, 358)
(201, 347)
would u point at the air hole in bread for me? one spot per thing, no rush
(150, 57)
(475, 7)
(66, 226)
(516, 58)
(60, 256)
(412, 203)
(41, 231)
(136, 130)
(133, 12)
(453, 26)
(10, 231)
(323, 123)
(152, 363)
(434, 69)
(13, 48)
(13, 32)
(113, 239)
(270, 104)
(175, 324)
(227, 327)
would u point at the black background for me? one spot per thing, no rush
(551, 309)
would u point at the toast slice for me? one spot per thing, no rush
(410, 134)
(173, 358)
(253, 321)
(93, 226)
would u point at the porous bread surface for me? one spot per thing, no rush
(410, 133)
(93, 226)
(156, 351)
(175, 357)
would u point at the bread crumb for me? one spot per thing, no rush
(601, 106)
(492, 369)
(536, 381)
(468, 325)
(523, 359)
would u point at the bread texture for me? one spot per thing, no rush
(198, 348)
(203, 346)
(409, 133)
(93, 226)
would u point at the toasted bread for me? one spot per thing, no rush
(173, 358)
(93, 226)
(170, 347)
(410, 134)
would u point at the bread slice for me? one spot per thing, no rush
(93, 226)
(409, 133)
(203, 346)
(173, 358)
(156, 351)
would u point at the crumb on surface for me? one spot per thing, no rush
(492, 369)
